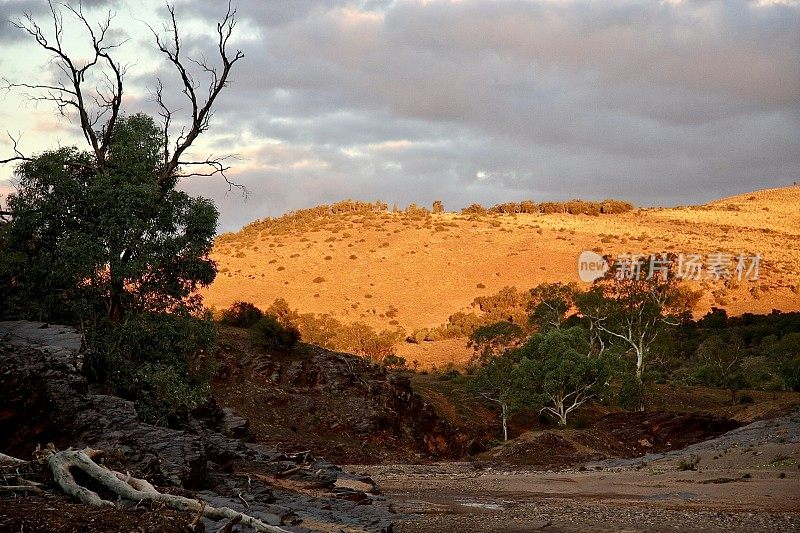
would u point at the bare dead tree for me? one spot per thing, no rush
(201, 106)
(70, 94)
(98, 106)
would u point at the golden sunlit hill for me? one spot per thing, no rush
(404, 270)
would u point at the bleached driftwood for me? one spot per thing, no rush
(24, 487)
(133, 489)
(7, 460)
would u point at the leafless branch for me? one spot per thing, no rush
(101, 104)
(18, 156)
(72, 94)
(201, 114)
(213, 166)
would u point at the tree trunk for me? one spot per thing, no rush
(115, 310)
(639, 372)
(639, 364)
(504, 415)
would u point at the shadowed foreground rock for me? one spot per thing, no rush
(344, 407)
(44, 399)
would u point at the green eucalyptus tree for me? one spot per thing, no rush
(84, 244)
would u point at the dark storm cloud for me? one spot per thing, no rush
(14, 10)
(657, 102)
(479, 100)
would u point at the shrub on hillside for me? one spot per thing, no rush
(474, 209)
(280, 309)
(268, 332)
(611, 207)
(394, 362)
(573, 207)
(509, 208)
(241, 315)
(327, 332)
(157, 360)
(301, 220)
(414, 210)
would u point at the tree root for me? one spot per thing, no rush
(134, 489)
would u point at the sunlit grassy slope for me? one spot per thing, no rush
(413, 270)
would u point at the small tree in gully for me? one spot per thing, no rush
(558, 372)
(550, 303)
(494, 381)
(719, 363)
(492, 340)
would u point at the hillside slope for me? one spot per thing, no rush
(412, 269)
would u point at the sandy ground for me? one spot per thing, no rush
(745, 480)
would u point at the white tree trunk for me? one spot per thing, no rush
(639, 363)
(562, 413)
(8, 460)
(504, 415)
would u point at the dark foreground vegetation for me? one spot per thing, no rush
(118, 254)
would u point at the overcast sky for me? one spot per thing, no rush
(660, 103)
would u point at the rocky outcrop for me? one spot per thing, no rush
(339, 405)
(44, 399)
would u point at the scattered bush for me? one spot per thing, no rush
(268, 332)
(241, 315)
(474, 209)
(689, 463)
(611, 207)
(746, 399)
(572, 207)
(394, 362)
(328, 332)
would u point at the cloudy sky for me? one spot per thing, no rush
(485, 101)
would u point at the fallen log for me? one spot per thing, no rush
(134, 489)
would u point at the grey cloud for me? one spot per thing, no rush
(13, 10)
(10, 12)
(484, 101)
